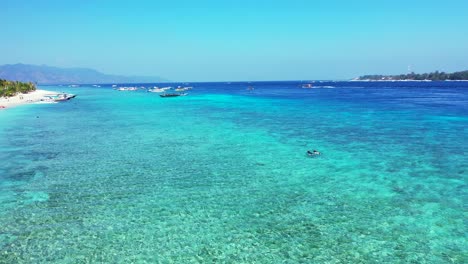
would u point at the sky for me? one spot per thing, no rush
(208, 40)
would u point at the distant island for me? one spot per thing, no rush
(433, 76)
(43, 74)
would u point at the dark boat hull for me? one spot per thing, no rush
(169, 95)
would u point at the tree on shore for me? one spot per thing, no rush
(12, 88)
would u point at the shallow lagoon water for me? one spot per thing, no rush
(221, 175)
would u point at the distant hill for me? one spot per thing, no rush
(433, 76)
(43, 74)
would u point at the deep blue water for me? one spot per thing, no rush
(221, 175)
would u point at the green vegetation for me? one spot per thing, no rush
(12, 88)
(433, 76)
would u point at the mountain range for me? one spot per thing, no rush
(43, 74)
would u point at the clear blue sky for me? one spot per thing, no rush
(238, 40)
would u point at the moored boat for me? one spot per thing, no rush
(58, 97)
(156, 90)
(172, 94)
(169, 95)
(182, 89)
(127, 89)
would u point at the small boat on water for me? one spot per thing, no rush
(58, 97)
(307, 85)
(159, 90)
(172, 94)
(182, 89)
(156, 90)
(127, 89)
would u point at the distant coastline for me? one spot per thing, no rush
(433, 76)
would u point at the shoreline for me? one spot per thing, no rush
(22, 99)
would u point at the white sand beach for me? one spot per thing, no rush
(29, 98)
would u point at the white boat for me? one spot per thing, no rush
(156, 90)
(182, 89)
(51, 98)
(127, 89)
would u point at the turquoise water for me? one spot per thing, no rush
(221, 176)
